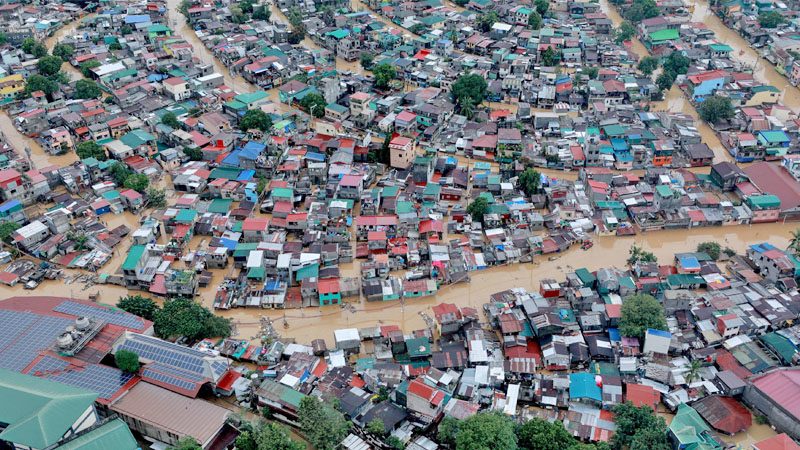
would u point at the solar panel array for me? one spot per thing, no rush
(171, 376)
(120, 318)
(219, 368)
(165, 352)
(102, 380)
(24, 335)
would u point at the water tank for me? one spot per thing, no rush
(65, 340)
(82, 323)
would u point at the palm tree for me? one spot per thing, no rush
(794, 242)
(694, 371)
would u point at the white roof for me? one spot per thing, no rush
(346, 334)
(500, 26)
(255, 258)
(32, 229)
(511, 400)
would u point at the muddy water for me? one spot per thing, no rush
(763, 71)
(38, 156)
(66, 30)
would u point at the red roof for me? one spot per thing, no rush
(778, 442)
(642, 395)
(255, 224)
(614, 311)
(228, 378)
(724, 413)
(328, 286)
(420, 389)
(772, 178)
(783, 387)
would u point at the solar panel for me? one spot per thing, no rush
(170, 380)
(102, 380)
(166, 353)
(191, 376)
(120, 318)
(25, 335)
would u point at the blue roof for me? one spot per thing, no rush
(230, 244)
(613, 335)
(9, 205)
(619, 144)
(137, 18)
(659, 333)
(254, 146)
(762, 247)
(583, 385)
(314, 156)
(689, 262)
(246, 175)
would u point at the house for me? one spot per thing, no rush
(49, 414)
(774, 263)
(583, 387)
(177, 88)
(726, 175)
(423, 401)
(689, 430)
(774, 394)
(724, 413)
(776, 180)
(402, 152)
(778, 442)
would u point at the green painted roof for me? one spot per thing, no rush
(220, 205)
(583, 385)
(43, 410)
(339, 34)
(418, 347)
(137, 138)
(134, 255)
(721, 47)
(157, 28)
(782, 346)
(690, 429)
(114, 434)
(186, 215)
(282, 193)
(586, 277)
(251, 97)
(664, 35)
(768, 201)
(258, 273)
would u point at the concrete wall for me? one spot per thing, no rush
(777, 416)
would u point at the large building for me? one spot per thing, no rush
(776, 395)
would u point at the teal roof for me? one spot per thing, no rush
(114, 434)
(583, 385)
(690, 430)
(767, 201)
(157, 28)
(220, 205)
(134, 255)
(339, 34)
(186, 215)
(43, 410)
(137, 138)
(251, 97)
(418, 347)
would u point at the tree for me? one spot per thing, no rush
(384, 74)
(138, 306)
(794, 242)
(367, 60)
(470, 88)
(448, 430)
(461, 2)
(376, 427)
(127, 361)
(677, 63)
(125, 30)
(49, 65)
(529, 181)
(87, 66)
(86, 89)
(486, 20)
(542, 6)
(183, 8)
(266, 436)
(194, 153)
(716, 108)
(478, 208)
(486, 431)
(315, 104)
(638, 254)
(255, 119)
(664, 80)
(185, 317)
(296, 36)
(535, 21)
(591, 72)
(186, 443)
(648, 65)
(323, 426)
(625, 32)
(156, 198)
(238, 16)
(418, 28)
(3, 38)
(63, 51)
(550, 57)
(119, 172)
(693, 370)
(33, 47)
(137, 181)
(7, 228)
(538, 434)
(171, 120)
(246, 5)
(712, 249)
(640, 312)
(632, 421)
(90, 149)
(40, 83)
(261, 13)
(261, 186)
(770, 19)
(640, 10)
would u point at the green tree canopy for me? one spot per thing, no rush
(137, 181)
(6, 229)
(33, 47)
(86, 89)
(625, 32)
(771, 19)
(665, 80)
(550, 57)
(676, 63)
(648, 65)
(185, 317)
(448, 430)
(384, 74)
(710, 248)
(478, 208)
(63, 51)
(127, 361)
(716, 108)
(171, 120)
(529, 181)
(323, 426)
(366, 60)
(119, 172)
(266, 436)
(49, 65)
(40, 83)
(255, 119)
(640, 312)
(261, 13)
(534, 21)
(90, 149)
(314, 104)
(156, 198)
(469, 89)
(640, 10)
(486, 431)
(87, 66)
(194, 153)
(186, 443)
(375, 426)
(638, 426)
(638, 254)
(591, 72)
(538, 434)
(139, 306)
(418, 28)
(486, 20)
(542, 6)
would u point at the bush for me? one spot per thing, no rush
(138, 306)
(127, 361)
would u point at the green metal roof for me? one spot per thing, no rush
(114, 434)
(42, 410)
(583, 385)
(780, 345)
(768, 201)
(134, 255)
(691, 430)
(186, 215)
(258, 273)
(664, 35)
(418, 347)
(251, 97)
(220, 205)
